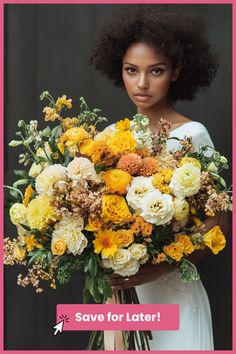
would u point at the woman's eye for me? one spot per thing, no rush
(130, 70)
(157, 71)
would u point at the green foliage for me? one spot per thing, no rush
(188, 271)
(88, 117)
(68, 264)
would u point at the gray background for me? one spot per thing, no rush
(47, 48)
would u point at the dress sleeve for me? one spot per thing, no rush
(201, 137)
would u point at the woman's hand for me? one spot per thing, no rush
(146, 274)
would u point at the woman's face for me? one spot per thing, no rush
(147, 75)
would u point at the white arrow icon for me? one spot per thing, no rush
(58, 327)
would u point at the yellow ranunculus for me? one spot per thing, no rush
(115, 209)
(184, 242)
(72, 137)
(174, 251)
(126, 237)
(161, 180)
(215, 240)
(122, 143)
(50, 114)
(123, 124)
(192, 160)
(117, 180)
(59, 247)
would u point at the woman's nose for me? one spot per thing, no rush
(142, 82)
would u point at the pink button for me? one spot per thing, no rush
(78, 317)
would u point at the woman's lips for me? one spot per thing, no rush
(142, 97)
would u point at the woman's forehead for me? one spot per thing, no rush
(139, 51)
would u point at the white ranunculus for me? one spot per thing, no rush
(130, 268)
(186, 180)
(69, 230)
(80, 170)
(139, 188)
(157, 208)
(18, 213)
(46, 179)
(181, 211)
(121, 257)
(138, 251)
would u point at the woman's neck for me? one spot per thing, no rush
(163, 109)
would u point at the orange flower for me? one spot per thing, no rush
(161, 257)
(59, 247)
(94, 225)
(143, 152)
(161, 180)
(149, 166)
(117, 180)
(106, 242)
(185, 242)
(140, 226)
(174, 251)
(130, 163)
(125, 236)
(72, 137)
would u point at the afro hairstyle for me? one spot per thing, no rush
(177, 33)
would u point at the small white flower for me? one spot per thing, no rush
(139, 188)
(157, 208)
(185, 181)
(18, 213)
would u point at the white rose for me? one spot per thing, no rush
(157, 208)
(186, 180)
(121, 257)
(130, 268)
(138, 251)
(144, 259)
(139, 188)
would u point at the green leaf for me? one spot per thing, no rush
(27, 228)
(33, 258)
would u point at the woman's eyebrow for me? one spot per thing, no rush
(150, 66)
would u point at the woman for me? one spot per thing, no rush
(161, 56)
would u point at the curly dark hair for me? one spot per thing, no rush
(178, 34)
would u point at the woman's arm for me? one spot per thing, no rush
(149, 272)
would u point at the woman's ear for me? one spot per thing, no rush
(176, 74)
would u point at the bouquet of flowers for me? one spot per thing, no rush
(109, 202)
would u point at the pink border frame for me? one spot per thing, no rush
(2, 2)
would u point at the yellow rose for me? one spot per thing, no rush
(115, 209)
(59, 247)
(174, 251)
(126, 237)
(19, 253)
(117, 180)
(192, 160)
(215, 240)
(184, 242)
(94, 225)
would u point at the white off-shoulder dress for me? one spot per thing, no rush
(195, 332)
